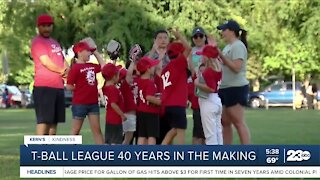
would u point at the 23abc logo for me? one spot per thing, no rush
(298, 155)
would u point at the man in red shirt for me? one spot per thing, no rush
(175, 89)
(50, 67)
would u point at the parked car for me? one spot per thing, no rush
(16, 95)
(277, 94)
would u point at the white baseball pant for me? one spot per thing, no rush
(211, 110)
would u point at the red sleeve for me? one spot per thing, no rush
(182, 62)
(97, 68)
(158, 82)
(210, 79)
(71, 79)
(151, 89)
(39, 49)
(114, 95)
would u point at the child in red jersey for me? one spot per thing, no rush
(148, 104)
(114, 105)
(210, 106)
(82, 81)
(175, 89)
(126, 89)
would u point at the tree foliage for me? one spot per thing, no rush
(281, 33)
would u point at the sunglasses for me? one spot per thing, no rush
(198, 36)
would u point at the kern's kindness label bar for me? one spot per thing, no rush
(186, 155)
(66, 139)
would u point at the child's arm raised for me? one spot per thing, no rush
(92, 44)
(99, 58)
(129, 76)
(183, 40)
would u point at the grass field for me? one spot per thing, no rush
(273, 126)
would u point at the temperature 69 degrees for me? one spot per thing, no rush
(272, 155)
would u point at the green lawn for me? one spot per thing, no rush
(274, 126)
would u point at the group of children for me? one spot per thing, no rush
(140, 96)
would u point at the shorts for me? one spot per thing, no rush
(177, 117)
(49, 105)
(234, 95)
(129, 125)
(197, 131)
(164, 129)
(148, 124)
(113, 134)
(80, 111)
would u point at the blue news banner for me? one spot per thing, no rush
(186, 155)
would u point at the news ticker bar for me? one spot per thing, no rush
(174, 155)
(170, 172)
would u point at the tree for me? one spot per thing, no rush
(280, 32)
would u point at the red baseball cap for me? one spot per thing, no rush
(209, 51)
(122, 74)
(145, 63)
(109, 71)
(44, 19)
(80, 46)
(174, 49)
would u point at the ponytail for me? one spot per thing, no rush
(243, 37)
(73, 60)
(214, 64)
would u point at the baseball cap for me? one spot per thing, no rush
(80, 46)
(230, 24)
(198, 30)
(44, 19)
(109, 70)
(209, 51)
(174, 49)
(145, 63)
(122, 74)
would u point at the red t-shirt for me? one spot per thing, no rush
(42, 76)
(175, 85)
(128, 96)
(158, 82)
(83, 77)
(191, 95)
(212, 78)
(112, 95)
(146, 87)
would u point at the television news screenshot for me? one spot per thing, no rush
(159, 89)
